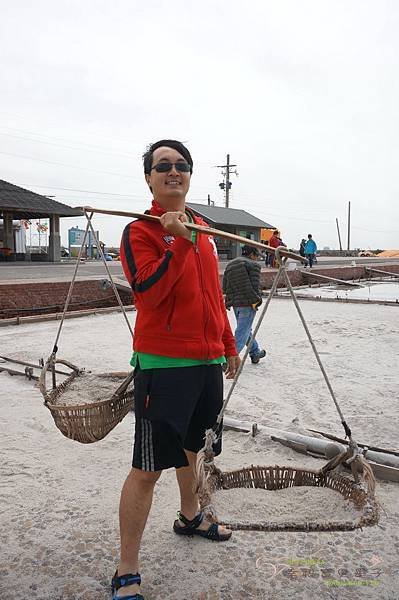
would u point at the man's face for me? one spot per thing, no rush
(172, 186)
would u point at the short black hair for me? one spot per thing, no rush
(178, 146)
(247, 250)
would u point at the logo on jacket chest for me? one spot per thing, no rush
(168, 239)
(212, 243)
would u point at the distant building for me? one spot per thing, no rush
(20, 205)
(233, 220)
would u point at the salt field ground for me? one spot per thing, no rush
(59, 498)
(16, 271)
(369, 291)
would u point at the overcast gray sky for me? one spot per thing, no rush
(303, 94)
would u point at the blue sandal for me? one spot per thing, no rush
(123, 581)
(191, 528)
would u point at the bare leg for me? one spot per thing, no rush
(189, 503)
(135, 504)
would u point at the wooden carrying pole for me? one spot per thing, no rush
(199, 229)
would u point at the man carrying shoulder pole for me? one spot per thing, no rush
(182, 338)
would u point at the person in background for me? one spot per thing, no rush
(302, 250)
(263, 255)
(275, 241)
(241, 286)
(268, 258)
(310, 250)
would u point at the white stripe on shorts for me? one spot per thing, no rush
(147, 450)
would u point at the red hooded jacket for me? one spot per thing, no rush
(176, 290)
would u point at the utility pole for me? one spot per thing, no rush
(349, 225)
(226, 184)
(339, 235)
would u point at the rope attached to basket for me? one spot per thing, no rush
(352, 455)
(85, 423)
(89, 225)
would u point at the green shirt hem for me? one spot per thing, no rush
(154, 361)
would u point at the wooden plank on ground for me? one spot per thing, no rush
(385, 472)
(380, 271)
(332, 279)
(343, 441)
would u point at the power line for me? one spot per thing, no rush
(98, 135)
(49, 187)
(50, 162)
(94, 201)
(88, 149)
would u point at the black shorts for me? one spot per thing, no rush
(173, 408)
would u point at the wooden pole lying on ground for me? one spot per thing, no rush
(336, 438)
(325, 278)
(387, 273)
(236, 425)
(25, 373)
(28, 364)
(198, 228)
(385, 464)
(320, 446)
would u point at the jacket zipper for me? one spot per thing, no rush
(204, 302)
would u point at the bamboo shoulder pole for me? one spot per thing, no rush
(198, 228)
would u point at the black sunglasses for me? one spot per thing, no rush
(164, 167)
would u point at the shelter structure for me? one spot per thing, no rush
(233, 220)
(17, 203)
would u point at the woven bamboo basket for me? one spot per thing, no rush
(87, 423)
(277, 478)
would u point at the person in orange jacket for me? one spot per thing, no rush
(275, 241)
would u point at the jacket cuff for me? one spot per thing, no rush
(230, 349)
